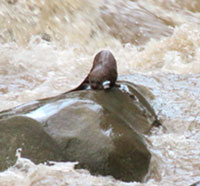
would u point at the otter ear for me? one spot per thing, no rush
(106, 84)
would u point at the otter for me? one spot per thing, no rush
(103, 73)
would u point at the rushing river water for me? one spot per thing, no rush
(47, 48)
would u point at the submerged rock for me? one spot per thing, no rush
(102, 130)
(26, 133)
(131, 22)
(196, 184)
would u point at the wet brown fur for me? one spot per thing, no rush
(104, 69)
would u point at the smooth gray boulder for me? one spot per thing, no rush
(27, 134)
(102, 130)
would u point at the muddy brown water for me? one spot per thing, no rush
(47, 48)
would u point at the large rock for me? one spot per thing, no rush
(27, 134)
(98, 129)
(103, 130)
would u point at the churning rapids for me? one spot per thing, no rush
(47, 47)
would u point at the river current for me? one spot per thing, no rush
(47, 48)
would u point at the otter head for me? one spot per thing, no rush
(104, 71)
(97, 79)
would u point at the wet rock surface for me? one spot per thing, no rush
(102, 130)
(27, 134)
